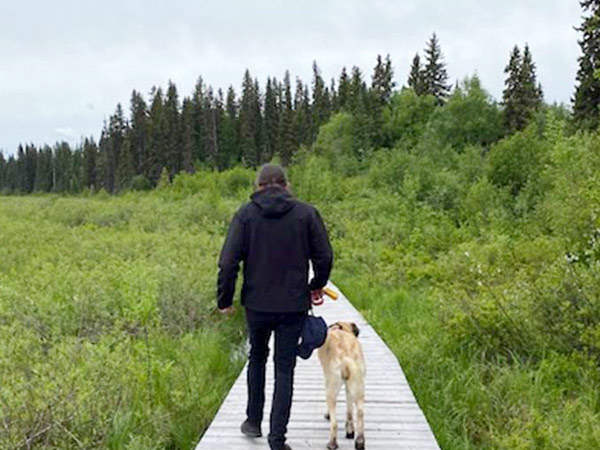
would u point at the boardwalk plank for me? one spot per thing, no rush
(393, 419)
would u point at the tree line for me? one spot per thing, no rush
(208, 129)
(214, 129)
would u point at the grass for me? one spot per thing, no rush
(110, 339)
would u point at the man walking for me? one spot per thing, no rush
(275, 236)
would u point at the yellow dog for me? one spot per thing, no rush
(343, 363)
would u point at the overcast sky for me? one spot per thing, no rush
(64, 65)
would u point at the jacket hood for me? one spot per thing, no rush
(273, 201)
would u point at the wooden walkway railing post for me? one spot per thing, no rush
(393, 418)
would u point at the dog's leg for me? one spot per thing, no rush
(357, 391)
(327, 415)
(349, 410)
(332, 389)
(360, 423)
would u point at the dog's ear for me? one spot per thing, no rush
(355, 329)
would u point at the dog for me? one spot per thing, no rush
(343, 362)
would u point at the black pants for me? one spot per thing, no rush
(287, 328)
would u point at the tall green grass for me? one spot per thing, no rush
(107, 322)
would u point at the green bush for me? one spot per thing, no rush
(470, 117)
(140, 183)
(516, 160)
(405, 118)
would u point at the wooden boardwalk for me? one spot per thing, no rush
(393, 419)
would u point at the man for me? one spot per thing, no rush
(275, 236)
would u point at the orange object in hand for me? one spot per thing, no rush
(330, 293)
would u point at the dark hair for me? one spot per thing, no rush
(271, 175)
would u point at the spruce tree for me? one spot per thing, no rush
(157, 138)
(510, 95)
(357, 91)
(379, 95)
(63, 167)
(287, 136)
(327, 103)
(138, 132)
(302, 114)
(30, 167)
(522, 94)
(333, 97)
(77, 169)
(174, 150)
(11, 175)
(211, 124)
(90, 156)
(271, 121)
(125, 167)
(187, 135)
(360, 106)
(416, 77)
(111, 140)
(435, 76)
(586, 103)
(222, 158)
(21, 178)
(382, 83)
(229, 132)
(319, 101)
(101, 158)
(532, 90)
(258, 109)
(343, 91)
(117, 129)
(278, 88)
(249, 122)
(50, 167)
(43, 171)
(199, 121)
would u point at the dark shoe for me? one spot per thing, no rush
(285, 447)
(251, 430)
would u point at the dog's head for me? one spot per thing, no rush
(349, 327)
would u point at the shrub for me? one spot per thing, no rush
(140, 183)
(516, 160)
(406, 117)
(470, 117)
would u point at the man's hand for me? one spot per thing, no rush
(227, 311)
(316, 297)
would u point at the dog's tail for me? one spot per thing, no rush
(345, 372)
(348, 367)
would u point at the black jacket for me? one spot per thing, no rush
(275, 236)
